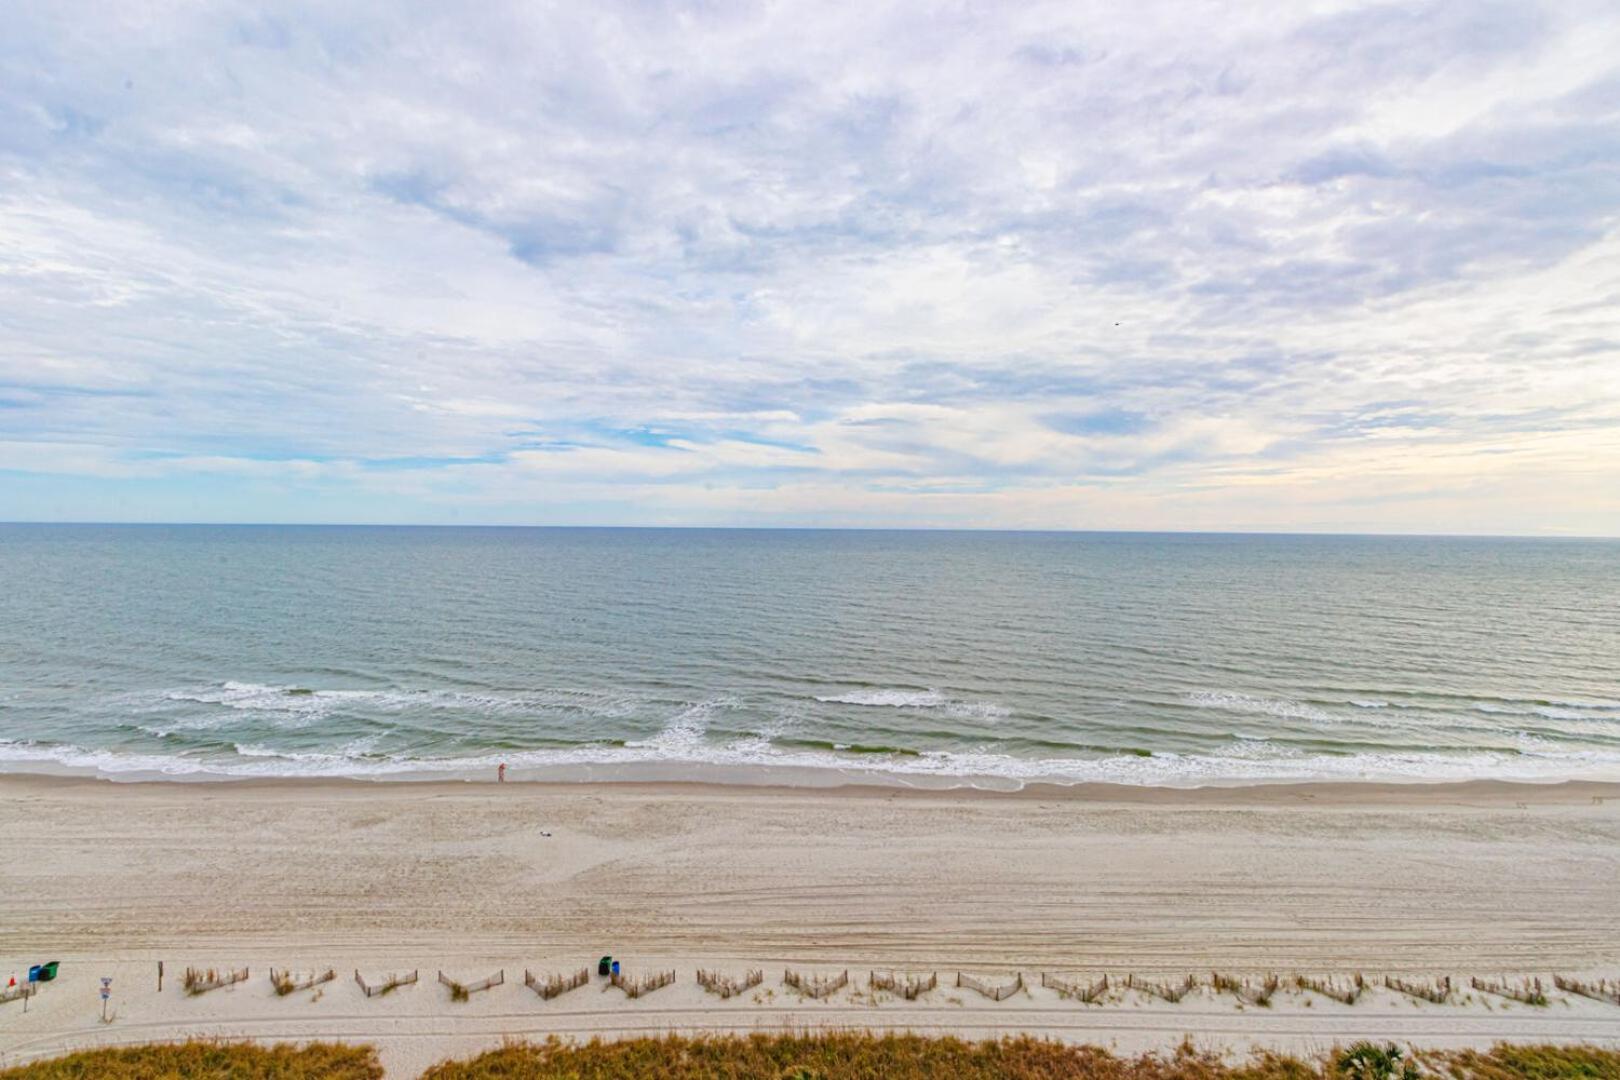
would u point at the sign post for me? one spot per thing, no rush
(33, 985)
(106, 992)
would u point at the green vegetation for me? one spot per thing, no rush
(1505, 1062)
(844, 1056)
(856, 1056)
(831, 1056)
(1366, 1061)
(208, 1061)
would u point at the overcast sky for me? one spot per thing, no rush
(1295, 266)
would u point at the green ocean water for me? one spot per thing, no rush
(805, 656)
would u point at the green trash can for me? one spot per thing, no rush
(47, 972)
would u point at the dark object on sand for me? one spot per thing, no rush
(47, 971)
(604, 966)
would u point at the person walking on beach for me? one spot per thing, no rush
(500, 772)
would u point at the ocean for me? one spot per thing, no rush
(813, 657)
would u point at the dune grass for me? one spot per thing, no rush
(1504, 1062)
(858, 1056)
(203, 1060)
(286, 982)
(824, 1056)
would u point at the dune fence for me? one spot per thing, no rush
(909, 987)
(990, 990)
(1437, 992)
(1344, 993)
(1254, 993)
(1602, 990)
(1069, 988)
(20, 992)
(724, 986)
(1529, 991)
(200, 981)
(387, 985)
(556, 985)
(1171, 992)
(646, 984)
(460, 991)
(815, 986)
(290, 982)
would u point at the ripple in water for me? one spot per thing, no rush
(946, 656)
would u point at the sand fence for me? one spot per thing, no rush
(725, 986)
(1171, 992)
(290, 982)
(646, 984)
(1072, 988)
(1344, 993)
(911, 986)
(1602, 990)
(1529, 991)
(556, 985)
(991, 990)
(815, 986)
(1437, 992)
(1254, 993)
(20, 992)
(907, 986)
(201, 980)
(387, 984)
(460, 991)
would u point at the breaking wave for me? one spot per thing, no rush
(1243, 703)
(683, 744)
(918, 699)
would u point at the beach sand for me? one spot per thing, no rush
(1473, 879)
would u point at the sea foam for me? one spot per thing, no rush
(1245, 763)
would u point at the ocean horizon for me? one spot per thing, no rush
(919, 528)
(809, 656)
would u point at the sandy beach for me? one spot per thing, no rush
(1479, 879)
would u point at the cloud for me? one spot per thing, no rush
(1351, 265)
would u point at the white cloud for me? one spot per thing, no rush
(1326, 266)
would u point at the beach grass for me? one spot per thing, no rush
(842, 1055)
(859, 1055)
(205, 1060)
(1507, 1062)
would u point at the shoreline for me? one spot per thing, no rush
(1259, 792)
(817, 769)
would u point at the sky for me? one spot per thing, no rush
(1312, 266)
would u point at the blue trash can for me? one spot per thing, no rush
(33, 973)
(615, 967)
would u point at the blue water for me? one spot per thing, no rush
(803, 655)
